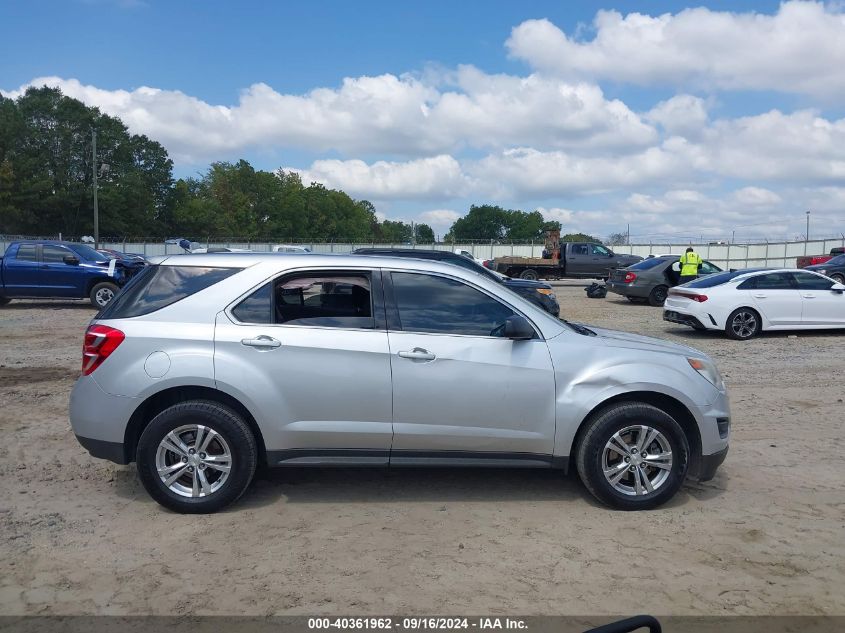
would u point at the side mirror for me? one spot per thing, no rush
(840, 288)
(518, 328)
(70, 260)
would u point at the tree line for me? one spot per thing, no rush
(46, 185)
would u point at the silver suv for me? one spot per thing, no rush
(206, 366)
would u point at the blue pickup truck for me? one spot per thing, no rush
(49, 269)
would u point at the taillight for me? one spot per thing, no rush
(689, 295)
(629, 277)
(100, 342)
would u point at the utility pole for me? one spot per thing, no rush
(628, 236)
(807, 236)
(96, 210)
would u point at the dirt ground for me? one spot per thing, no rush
(80, 536)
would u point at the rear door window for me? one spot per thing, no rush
(26, 253)
(156, 287)
(321, 299)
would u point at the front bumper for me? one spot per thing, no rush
(710, 463)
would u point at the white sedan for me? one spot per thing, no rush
(743, 303)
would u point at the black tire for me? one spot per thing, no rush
(229, 426)
(743, 324)
(590, 453)
(637, 299)
(657, 296)
(838, 278)
(102, 293)
(4, 301)
(530, 275)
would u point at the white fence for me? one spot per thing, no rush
(771, 254)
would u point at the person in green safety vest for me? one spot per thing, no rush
(690, 263)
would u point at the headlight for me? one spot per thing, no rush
(546, 291)
(709, 371)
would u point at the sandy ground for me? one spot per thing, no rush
(80, 536)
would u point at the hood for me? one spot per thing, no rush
(614, 338)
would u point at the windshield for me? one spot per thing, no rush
(86, 252)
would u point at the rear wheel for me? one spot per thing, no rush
(633, 456)
(196, 457)
(657, 296)
(102, 294)
(529, 274)
(743, 324)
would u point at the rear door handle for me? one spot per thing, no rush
(809, 296)
(760, 296)
(261, 342)
(418, 354)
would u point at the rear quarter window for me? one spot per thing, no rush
(156, 287)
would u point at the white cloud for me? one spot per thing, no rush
(799, 49)
(682, 115)
(438, 177)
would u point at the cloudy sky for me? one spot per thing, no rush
(683, 121)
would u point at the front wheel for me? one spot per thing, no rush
(633, 456)
(743, 324)
(838, 278)
(102, 293)
(530, 275)
(196, 457)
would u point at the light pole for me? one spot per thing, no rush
(807, 235)
(94, 168)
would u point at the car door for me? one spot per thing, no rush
(21, 271)
(310, 350)
(601, 260)
(578, 259)
(460, 389)
(776, 297)
(819, 304)
(59, 279)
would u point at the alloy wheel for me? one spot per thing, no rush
(744, 324)
(637, 460)
(193, 460)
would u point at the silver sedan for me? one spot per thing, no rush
(206, 366)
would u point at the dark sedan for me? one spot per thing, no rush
(650, 280)
(833, 268)
(536, 292)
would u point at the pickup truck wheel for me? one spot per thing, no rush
(102, 293)
(633, 456)
(196, 457)
(657, 296)
(4, 301)
(530, 275)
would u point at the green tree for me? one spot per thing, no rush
(579, 237)
(424, 234)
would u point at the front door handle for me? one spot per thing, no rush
(261, 342)
(809, 296)
(760, 296)
(418, 354)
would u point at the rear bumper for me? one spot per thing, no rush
(112, 451)
(628, 290)
(683, 319)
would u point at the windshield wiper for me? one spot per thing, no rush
(580, 328)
